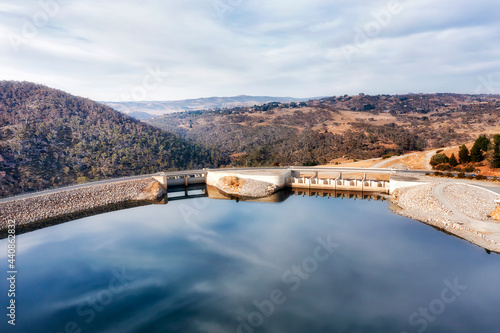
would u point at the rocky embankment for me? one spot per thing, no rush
(245, 188)
(462, 210)
(64, 203)
(152, 192)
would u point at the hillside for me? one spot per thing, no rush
(158, 108)
(356, 127)
(50, 138)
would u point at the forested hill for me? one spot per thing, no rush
(352, 127)
(50, 138)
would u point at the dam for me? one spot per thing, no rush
(334, 179)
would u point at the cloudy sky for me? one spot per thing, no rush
(167, 50)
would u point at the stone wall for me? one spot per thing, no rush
(52, 205)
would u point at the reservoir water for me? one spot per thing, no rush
(307, 264)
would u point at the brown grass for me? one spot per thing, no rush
(232, 182)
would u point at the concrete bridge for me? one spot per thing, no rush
(332, 178)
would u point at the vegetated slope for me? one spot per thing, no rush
(50, 138)
(318, 131)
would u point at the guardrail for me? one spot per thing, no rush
(71, 187)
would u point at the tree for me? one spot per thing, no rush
(453, 160)
(483, 143)
(463, 155)
(496, 140)
(480, 146)
(439, 159)
(495, 161)
(476, 154)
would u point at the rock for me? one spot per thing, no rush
(152, 192)
(245, 188)
(496, 213)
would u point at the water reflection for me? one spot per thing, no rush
(309, 264)
(196, 191)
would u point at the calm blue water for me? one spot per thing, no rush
(308, 264)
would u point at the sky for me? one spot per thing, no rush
(170, 50)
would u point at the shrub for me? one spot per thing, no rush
(443, 167)
(81, 180)
(449, 174)
(437, 173)
(439, 159)
(470, 168)
(427, 174)
(439, 151)
(386, 157)
(480, 177)
(461, 175)
(470, 177)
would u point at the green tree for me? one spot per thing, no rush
(496, 140)
(464, 155)
(483, 143)
(495, 161)
(479, 148)
(453, 160)
(439, 159)
(476, 154)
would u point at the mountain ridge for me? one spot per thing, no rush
(319, 131)
(49, 138)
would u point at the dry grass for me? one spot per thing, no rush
(232, 182)
(350, 163)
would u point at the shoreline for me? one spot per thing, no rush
(59, 207)
(460, 208)
(60, 219)
(452, 208)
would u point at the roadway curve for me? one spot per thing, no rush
(472, 223)
(427, 160)
(394, 158)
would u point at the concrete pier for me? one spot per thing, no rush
(283, 177)
(338, 182)
(277, 177)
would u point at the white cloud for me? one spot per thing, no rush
(102, 50)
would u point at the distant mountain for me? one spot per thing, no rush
(165, 107)
(50, 138)
(140, 115)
